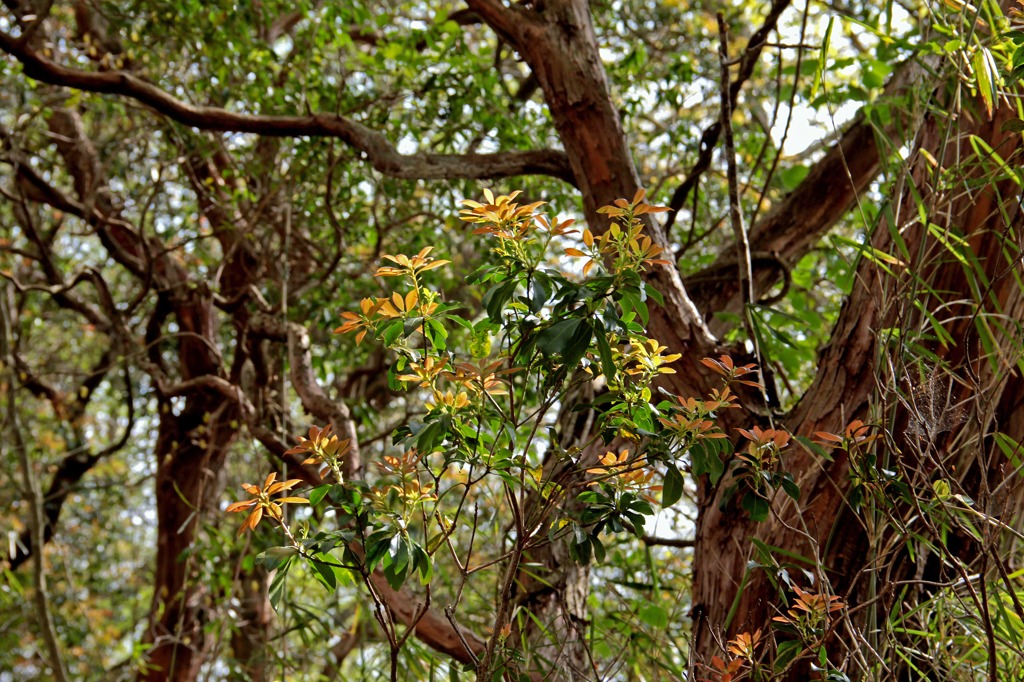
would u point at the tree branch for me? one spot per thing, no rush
(506, 21)
(679, 543)
(375, 146)
(314, 399)
(72, 468)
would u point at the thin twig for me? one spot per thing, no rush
(35, 501)
(735, 212)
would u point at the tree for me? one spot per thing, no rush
(190, 202)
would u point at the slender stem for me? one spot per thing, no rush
(33, 492)
(735, 210)
(484, 670)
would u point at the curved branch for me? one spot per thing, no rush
(314, 399)
(506, 21)
(374, 145)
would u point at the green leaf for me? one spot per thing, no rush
(541, 291)
(324, 573)
(605, 351)
(436, 332)
(579, 346)
(819, 73)
(318, 493)
(654, 615)
(410, 325)
(1010, 448)
(786, 652)
(580, 547)
(422, 563)
(790, 486)
(652, 292)
(579, 535)
(631, 301)
(598, 547)
(376, 547)
(277, 585)
(755, 505)
(495, 299)
(394, 575)
(642, 417)
(276, 557)
(875, 73)
(793, 176)
(392, 332)
(672, 486)
(1014, 125)
(558, 337)
(398, 550)
(705, 456)
(570, 338)
(430, 436)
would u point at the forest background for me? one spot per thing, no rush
(548, 340)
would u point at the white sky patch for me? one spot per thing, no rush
(407, 145)
(809, 126)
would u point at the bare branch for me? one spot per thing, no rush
(312, 395)
(75, 464)
(431, 628)
(374, 146)
(680, 543)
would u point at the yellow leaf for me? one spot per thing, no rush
(988, 78)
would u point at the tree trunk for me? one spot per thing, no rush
(191, 449)
(728, 598)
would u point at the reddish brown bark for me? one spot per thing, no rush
(822, 526)
(191, 448)
(559, 45)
